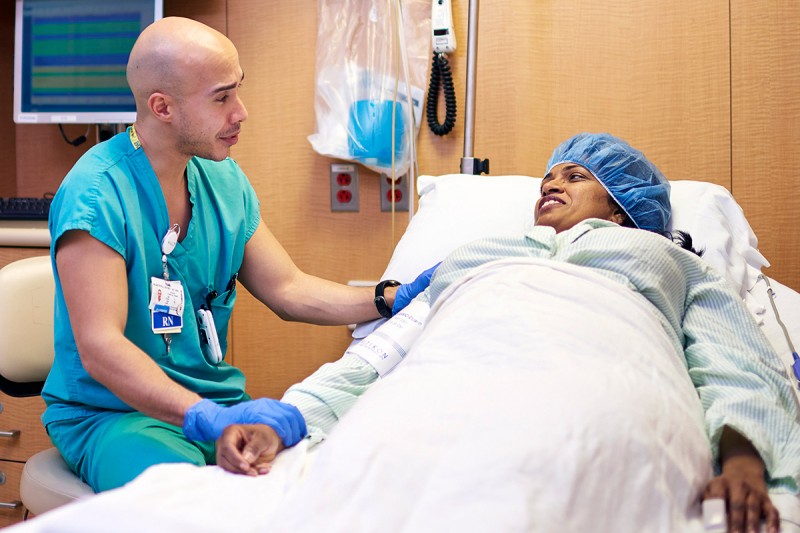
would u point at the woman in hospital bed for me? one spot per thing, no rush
(585, 377)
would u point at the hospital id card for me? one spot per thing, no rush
(166, 305)
(388, 345)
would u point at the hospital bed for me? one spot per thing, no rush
(596, 477)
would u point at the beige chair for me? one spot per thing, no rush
(26, 355)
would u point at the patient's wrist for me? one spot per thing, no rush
(744, 462)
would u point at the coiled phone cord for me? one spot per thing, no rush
(441, 78)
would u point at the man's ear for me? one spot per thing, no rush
(160, 106)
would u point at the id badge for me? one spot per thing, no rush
(166, 305)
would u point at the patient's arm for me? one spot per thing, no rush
(741, 484)
(322, 398)
(329, 393)
(248, 448)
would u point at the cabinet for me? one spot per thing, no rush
(21, 430)
(21, 435)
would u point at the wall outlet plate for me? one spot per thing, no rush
(344, 187)
(400, 193)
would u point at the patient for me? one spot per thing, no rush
(604, 206)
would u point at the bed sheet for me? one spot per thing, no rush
(521, 441)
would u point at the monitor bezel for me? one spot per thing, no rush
(66, 116)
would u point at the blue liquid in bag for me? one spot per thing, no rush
(369, 132)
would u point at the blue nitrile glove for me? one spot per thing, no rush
(206, 420)
(407, 291)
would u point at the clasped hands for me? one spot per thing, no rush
(250, 433)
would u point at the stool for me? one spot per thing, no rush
(47, 483)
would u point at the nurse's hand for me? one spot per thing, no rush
(408, 291)
(248, 449)
(206, 420)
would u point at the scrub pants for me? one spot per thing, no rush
(109, 449)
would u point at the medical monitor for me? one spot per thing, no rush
(70, 58)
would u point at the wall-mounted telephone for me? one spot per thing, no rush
(444, 42)
(444, 38)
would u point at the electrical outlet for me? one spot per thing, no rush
(344, 187)
(400, 193)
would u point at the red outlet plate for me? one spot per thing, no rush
(344, 187)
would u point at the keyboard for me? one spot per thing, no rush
(24, 208)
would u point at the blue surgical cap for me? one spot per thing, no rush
(640, 189)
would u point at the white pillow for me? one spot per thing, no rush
(455, 209)
(458, 208)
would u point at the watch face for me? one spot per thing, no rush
(382, 307)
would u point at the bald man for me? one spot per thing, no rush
(151, 231)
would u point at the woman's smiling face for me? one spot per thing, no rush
(571, 194)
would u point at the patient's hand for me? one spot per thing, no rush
(742, 486)
(248, 448)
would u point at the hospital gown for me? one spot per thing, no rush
(740, 380)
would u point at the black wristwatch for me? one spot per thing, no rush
(380, 302)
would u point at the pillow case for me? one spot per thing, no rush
(455, 209)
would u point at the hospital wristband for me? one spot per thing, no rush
(383, 307)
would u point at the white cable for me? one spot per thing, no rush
(771, 295)
(412, 144)
(789, 368)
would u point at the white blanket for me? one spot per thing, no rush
(523, 406)
(173, 498)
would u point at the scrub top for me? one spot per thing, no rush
(113, 194)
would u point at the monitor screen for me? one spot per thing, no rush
(70, 59)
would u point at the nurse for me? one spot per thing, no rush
(152, 233)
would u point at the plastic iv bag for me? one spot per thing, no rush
(370, 55)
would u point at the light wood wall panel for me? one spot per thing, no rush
(766, 127)
(655, 73)
(211, 12)
(277, 52)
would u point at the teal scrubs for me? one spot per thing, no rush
(113, 194)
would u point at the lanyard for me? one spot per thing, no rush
(134, 138)
(168, 244)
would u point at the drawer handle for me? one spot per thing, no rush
(10, 434)
(11, 505)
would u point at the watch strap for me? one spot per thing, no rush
(381, 305)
